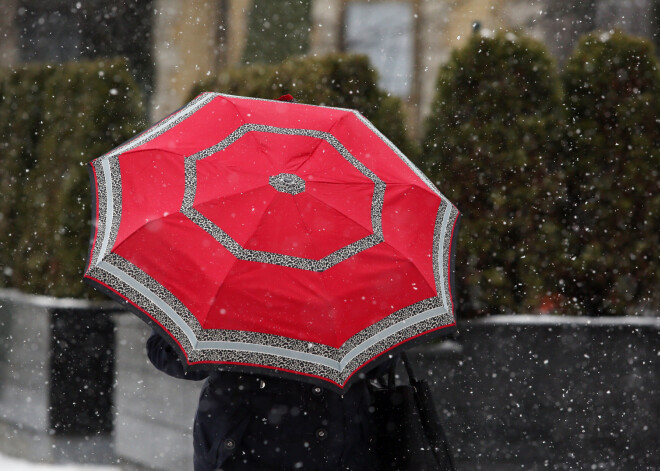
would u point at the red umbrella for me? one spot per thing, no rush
(284, 237)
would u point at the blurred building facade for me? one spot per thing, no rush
(173, 43)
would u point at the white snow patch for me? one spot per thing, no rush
(543, 319)
(15, 464)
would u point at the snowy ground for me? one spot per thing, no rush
(14, 464)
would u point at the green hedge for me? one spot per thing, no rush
(21, 115)
(559, 193)
(612, 86)
(557, 180)
(340, 80)
(490, 145)
(53, 120)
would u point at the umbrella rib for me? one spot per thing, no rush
(217, 291)
(215, 297)
(142, 226)
(199, 203)
(309, 156)
(302, 220)
(270, 203)
(259, 145)
(141, 149)
(404, 257)
(235, 108)
(368, 229)
(321, 141)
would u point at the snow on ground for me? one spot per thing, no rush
(15, 464)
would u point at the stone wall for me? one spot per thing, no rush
(551, 393)
(538, 392)
(154, 412)
(535, 391)
(56, 378)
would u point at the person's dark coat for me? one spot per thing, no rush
(248, 422)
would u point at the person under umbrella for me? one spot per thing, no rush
(248, 422)
(284, 244)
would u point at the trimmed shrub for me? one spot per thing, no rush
(490, 145)
(78, 112)
(612, 87)
(21, 115)
(346, 81)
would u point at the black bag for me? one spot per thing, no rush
(408, 435)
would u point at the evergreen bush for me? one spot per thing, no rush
(612, 89)
(21, 114)
(490, 145)
(69, 115)
(346, 81)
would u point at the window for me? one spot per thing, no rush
(64, 30)
(384, 32)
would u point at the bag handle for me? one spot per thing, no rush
(409, 368)
(391, 372)
(429, 417)
(391, 375)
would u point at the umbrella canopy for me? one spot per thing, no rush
(276, 236)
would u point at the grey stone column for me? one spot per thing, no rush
(326, 19)
(237, 24)
(184, 50)
(433, 50)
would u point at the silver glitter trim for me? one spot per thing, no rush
(101, 203)
(226, 346)
(242, 253)
(287, 183)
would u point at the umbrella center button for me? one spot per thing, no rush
(287, 183)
